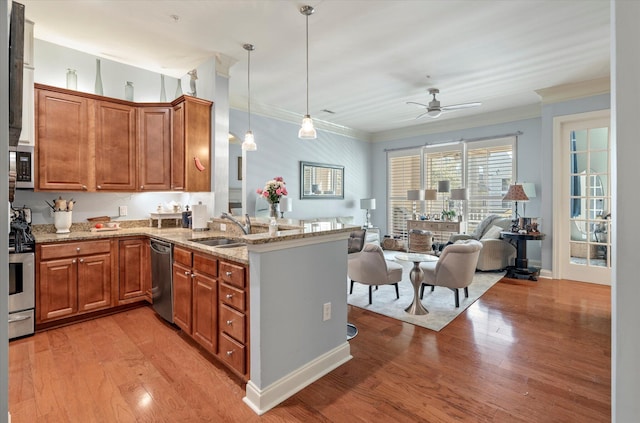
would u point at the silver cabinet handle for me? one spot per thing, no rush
(229, 353)
(187, 273)
(84, 187)
(193, 275)
(229, 296)
(141, 186)
(228, 273)
(78, 249)
(229, 322)
(73, 261)
(18, 319)
(99, 187)
(81, 260)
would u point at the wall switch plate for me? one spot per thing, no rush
(223, 226)
(122, 211)
(326, 312)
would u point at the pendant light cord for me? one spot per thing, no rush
(249, 86)
(307, 64)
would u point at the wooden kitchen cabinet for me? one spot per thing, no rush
(134, 262)
(233, 316)
(195, 296)
(73, 278)
(64, 150)
(154, 148)
(115, 146)
(191, 144)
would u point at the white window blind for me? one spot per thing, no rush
(403, 174)
(490, 169)
(442, 163)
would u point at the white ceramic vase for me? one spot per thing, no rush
(62, 221)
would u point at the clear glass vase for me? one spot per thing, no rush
(273, 210)
(98, 86)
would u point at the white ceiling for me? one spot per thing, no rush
(367, 57)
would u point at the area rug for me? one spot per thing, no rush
(440, 302)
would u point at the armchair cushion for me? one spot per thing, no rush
(492, 233)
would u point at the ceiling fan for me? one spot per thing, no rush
(434, 109)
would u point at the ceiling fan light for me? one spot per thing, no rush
(249, 143)
(307, 131)
(434, 113)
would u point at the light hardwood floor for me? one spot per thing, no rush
(524, 352)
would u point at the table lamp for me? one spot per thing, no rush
(367, 204)
(459, 194)
(286, 205)
(430, 195)
(443, 186)
(515, 193)
(415, 195)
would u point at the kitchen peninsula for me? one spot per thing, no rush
(291, 276)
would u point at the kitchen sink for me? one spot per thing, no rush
(220, 242)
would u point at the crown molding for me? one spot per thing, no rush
(434, 127)
(223, 64)
(560, 93)
(296, 118)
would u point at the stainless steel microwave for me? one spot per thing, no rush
(21, 162)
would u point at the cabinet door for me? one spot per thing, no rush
(94, 282)
(57, 293)
(154, 149)
(205, 304)
(182, 294)
(134, 278)
(26, 136)
(197, 144)
(115, 164)
(63, 148)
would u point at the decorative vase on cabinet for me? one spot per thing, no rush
(98, 87)
(273, 210)
(163, 94)
(179, 88)
(62, 221)
(72, 79)
(128, 91)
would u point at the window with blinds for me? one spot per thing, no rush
(403, 174)
(442, 163)
(485, 168)
(490, 171)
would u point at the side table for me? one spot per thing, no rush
(521, 267)
(416, 276)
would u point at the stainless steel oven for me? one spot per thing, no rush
(21, 294)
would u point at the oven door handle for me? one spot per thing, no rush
(18, 318)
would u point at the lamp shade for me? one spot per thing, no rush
(286, 204)
(459, 194)
(415, 195)
(443, 186)
(529, 189)
(515, 193)
(430, 194)
(368, 203)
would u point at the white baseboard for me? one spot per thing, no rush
(262, 400)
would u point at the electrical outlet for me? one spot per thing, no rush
(326, 312)
(122, 211)
(223, 227)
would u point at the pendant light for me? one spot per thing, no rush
(307, 131)
(249, 143)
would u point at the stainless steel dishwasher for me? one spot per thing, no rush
(162, 278)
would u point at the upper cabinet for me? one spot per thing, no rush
(191, 162)
(92, 143)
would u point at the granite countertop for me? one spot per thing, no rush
(186, 237)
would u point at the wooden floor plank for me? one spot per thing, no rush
(524, 352)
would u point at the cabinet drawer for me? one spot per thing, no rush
(205, 264)
(232, 353)
(452, 227)
(182, 256)
(72, 249)
(232, 322)
(232, 274)
(232, 296)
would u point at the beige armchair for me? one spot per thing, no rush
(454, 269)
(369, 267)
(497, 253)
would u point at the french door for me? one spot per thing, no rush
(582, 198)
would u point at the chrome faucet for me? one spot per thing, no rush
(246, 228)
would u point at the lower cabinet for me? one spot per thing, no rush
(73, 278)
(209, 304)
(134, 261)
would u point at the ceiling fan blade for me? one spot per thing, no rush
(422, 106)
(421, 115)
(460, 106)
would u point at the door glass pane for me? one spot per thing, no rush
(581, 140)
(599, 139)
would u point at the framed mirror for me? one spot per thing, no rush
(319, 180)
